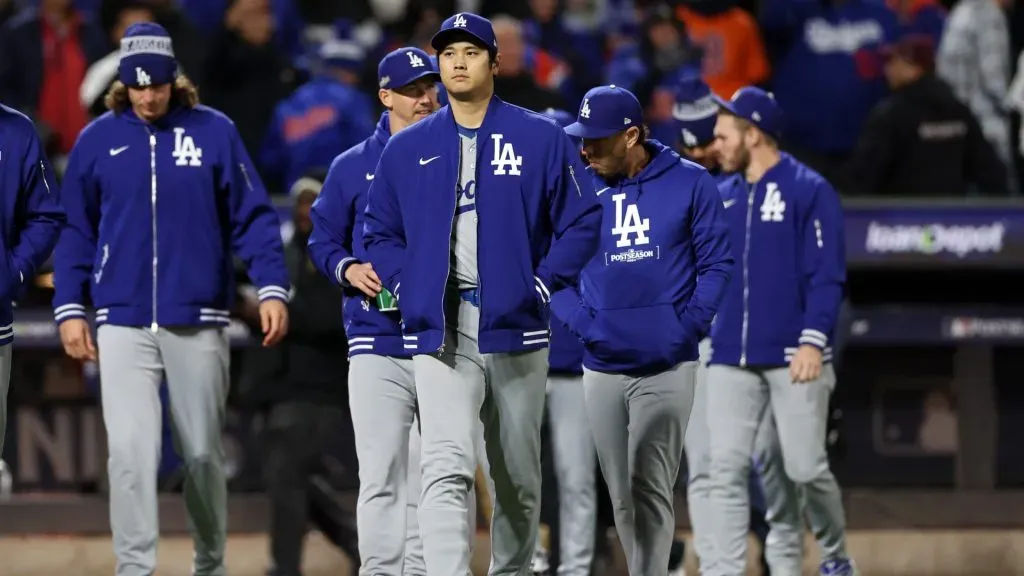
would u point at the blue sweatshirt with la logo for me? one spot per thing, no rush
(647, 298)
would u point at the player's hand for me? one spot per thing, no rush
(362, 277)
(77, 339)
(273, 321)
(806, 364)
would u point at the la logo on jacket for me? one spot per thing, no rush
(186, 153)
(773, 209)
(505, 159)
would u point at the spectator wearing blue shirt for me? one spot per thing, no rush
(323, 118)
(827, 73)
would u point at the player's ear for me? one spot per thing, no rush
(495, 63)
(385, 97)
(757, 137)
(633, 136)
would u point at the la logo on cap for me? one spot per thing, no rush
(460, 21)
(414, 60)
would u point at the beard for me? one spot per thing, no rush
(742, 160)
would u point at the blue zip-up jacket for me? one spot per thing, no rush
(320, 120)
(31, 216)
(337, 241)
(648, 297)
(788, 237)
(154, 213)
(537, 227)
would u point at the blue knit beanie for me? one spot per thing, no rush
(147, 57)
(695, 112)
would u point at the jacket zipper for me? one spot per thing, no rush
(746, 277)
(479, 244)
(154, 327)
(451, 235)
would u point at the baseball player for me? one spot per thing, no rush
(32, 219)
(695, 112)
(642, 306)
(770, 342)
(382, 389)
(159, 192)
(473, 219)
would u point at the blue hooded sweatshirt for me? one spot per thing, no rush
(647, 298)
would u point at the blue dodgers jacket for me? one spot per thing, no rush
(337, 241)
(31, 216)
(537, 226)
(788, 237)
(648, 297)
(154, 211)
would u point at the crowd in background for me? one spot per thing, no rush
(299, 76)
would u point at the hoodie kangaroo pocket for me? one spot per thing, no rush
(636, 336)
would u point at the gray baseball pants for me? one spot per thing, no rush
(6, 353)
(638, 425)
(133, 362)
(457, 388)
(382, 398)
(413, 542)
(572, 445)
(784, 547)
(739, 397)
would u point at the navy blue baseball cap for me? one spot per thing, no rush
(606, 110)
(694, 111)
(757, 107)
(466, 23)
(404, 66)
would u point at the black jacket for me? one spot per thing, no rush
(922, 141)
(311, 364)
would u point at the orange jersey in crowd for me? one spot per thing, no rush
(734, 54)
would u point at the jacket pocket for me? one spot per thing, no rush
(637, 336)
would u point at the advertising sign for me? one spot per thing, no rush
(961, 236)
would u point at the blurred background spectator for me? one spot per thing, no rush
(322, 118)
(528, 76)
(921, 141)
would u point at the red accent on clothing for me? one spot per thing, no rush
(64, 69)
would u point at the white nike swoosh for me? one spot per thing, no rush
(116, 151)
(728, 203)
(603, 189)
(428, 160)
(369, 176)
